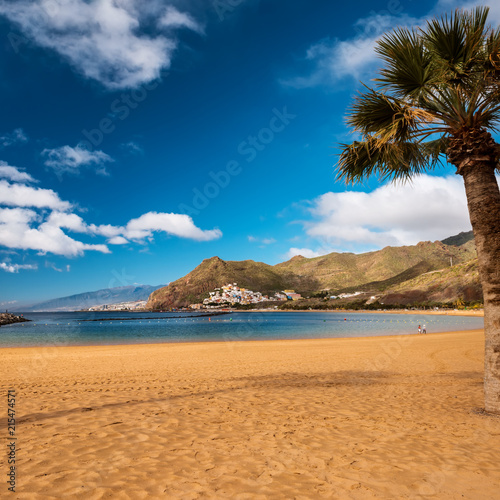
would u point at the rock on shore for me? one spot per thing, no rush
(8, 318)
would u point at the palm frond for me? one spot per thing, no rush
(436, 148)
(492, 60)
(456, 43)
(488, 116)
(477, 30)
(390, 160)
(385, 116)
(409, 70)
(438, 82)
(446, 37)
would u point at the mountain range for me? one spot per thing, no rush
(88, 299)
(438, 271)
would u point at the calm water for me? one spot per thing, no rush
(129, 328)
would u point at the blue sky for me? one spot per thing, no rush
(139, 138)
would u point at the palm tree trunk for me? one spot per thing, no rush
(483, 199)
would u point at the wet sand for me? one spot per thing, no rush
(378, 417)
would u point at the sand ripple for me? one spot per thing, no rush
(257, 420)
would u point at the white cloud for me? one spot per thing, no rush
(20, 195)
(263, 241)
(14, 173)
(14, 137)
(332, 60)
(132, 148)
(67, 159)
(172, 18)
(444, 6)
(51, 265)
(69, 221)
(24, 229)
(118, 240)
(175, 224)
(27, 230)
(14, 268)
(17, 216)
(138, 229)
(305, 252)
(430, 208)
(76, 224)
(110, 41)
(8, 302)
(45, 231)
(106, 230)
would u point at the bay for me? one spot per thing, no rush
(103, 328)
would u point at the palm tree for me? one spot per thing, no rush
(438, 93)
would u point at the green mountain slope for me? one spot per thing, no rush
(372, 271)
(445, 285)
(215, 272)
(459, 239)
(340, 271)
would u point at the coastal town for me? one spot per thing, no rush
(224, 296)
(122, 306)
(232, 294)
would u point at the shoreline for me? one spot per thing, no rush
(10, 319)
(240, 341)
(216, 312)
(368, 417)
(478, 313)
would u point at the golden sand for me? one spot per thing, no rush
(380, 417)
(476, 313)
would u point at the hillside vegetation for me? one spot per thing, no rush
(337, 271)
(394, 273)
(445, 285)
(215, 272)
(459, 239)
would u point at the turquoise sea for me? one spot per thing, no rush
(100, 328)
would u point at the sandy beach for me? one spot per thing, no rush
(428, 312)
(379, 417)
